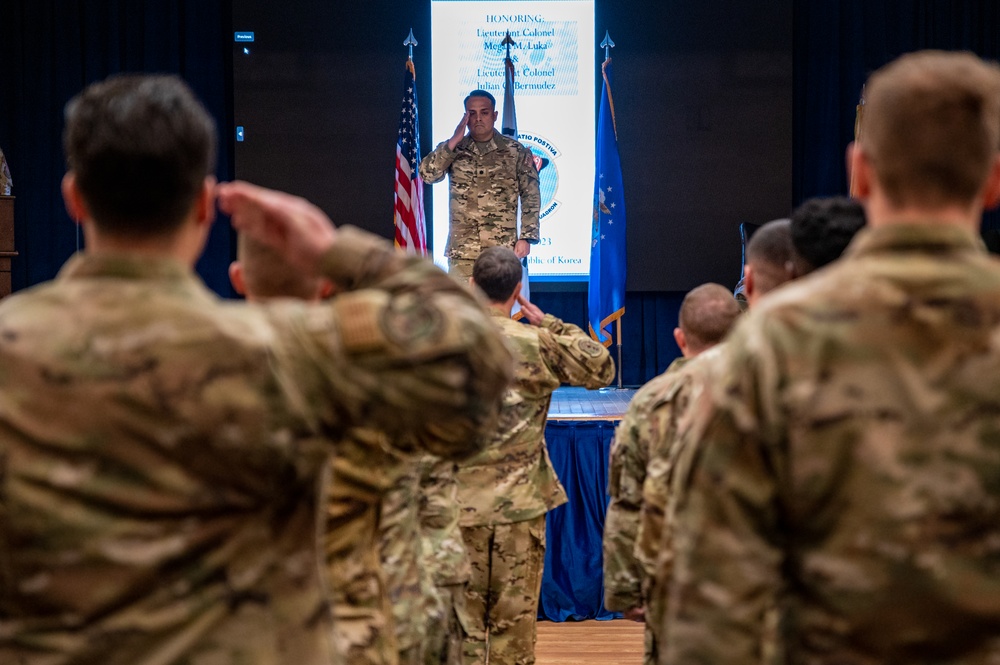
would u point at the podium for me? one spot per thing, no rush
(6, 242)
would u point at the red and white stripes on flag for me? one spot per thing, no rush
(411, 228)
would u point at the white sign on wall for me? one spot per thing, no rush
(553, 59)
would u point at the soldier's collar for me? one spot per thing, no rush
(496, 311)
(927, 237)
(128, 266)
(472, 145)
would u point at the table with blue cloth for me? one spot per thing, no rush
(573, 581)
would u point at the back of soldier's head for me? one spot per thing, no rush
(770, 254)
(931, 127)
(266, 274)
(707, 314)
(140, 148)
(497, 272)
(822, 228)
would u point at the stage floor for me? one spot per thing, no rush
(617, 642)
(581, 404)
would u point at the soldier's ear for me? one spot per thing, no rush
(681, 340)
(205, 203)
(76, 207)
(991, 190)
(859, 172)
(236, 278)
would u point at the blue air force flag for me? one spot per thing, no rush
(606, 302)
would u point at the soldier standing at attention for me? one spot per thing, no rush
(489, 173)
(841, 504)
(780, 251)
(160, 447)
(706, 315)
(505, 491)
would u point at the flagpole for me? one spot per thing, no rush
(411, 41)
(607, 44)
(508, 127)
(618, 331)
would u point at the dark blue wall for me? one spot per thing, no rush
(50, 49)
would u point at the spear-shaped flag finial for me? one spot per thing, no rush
(508, 42)
(411, 42)
(607, 45)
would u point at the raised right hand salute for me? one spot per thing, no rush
(531, 312)
(459, 132)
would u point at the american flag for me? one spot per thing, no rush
(411, 230)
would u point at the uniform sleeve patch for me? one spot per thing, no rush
(410, 321)
(357, 319)
(591, 348)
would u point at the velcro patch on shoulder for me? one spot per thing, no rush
(358, 318)
(410, 321)
(590, 347)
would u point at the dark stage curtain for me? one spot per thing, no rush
(572, 584)
(838, 44)
(51, 49)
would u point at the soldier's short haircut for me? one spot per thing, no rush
(770, 253)
(140, 148)
(822, 228)
(707, 314)
(266, 274)
(931, 127)
(497, 272)
(481, 93)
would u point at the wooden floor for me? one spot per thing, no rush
(589, 643)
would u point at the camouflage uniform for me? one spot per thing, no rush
(842, 490)
(484, 192)
(624, 579)
(161, 448)
(505, 491)
(409, 581)
(664, 413)
(444, 555)
(361, 471)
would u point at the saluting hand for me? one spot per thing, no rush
(297, 229)
(531, 312)
(459, 132)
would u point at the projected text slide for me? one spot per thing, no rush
(553, 57)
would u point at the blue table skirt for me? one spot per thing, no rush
(573, 581)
